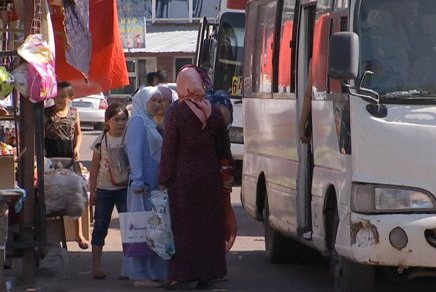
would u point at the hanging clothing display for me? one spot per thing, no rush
(78, 36)
(107, 68)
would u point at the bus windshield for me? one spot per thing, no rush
(230, 45)
(398, 44)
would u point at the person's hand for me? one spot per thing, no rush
(93, 198)
(141, 191)
(304, 139)
(228, 183)
(76, 154)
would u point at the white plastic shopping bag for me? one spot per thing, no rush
(159, 235)
(133, 226)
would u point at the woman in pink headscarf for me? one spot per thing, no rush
(194, 141)
(190, 90)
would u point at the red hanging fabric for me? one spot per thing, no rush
(108, 65)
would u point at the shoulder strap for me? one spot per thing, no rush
(101, 142)
(124, 135)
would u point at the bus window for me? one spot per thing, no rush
(285, 66)
(320, 42)
(262, 64)
(228, 67)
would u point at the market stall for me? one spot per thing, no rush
(41, 45)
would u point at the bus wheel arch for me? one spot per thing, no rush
(330, 209)
(260, 196)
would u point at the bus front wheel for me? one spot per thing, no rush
(279, 248)
(348, 275)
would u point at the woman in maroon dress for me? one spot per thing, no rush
(193, 144)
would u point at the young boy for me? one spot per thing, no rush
(63, 137)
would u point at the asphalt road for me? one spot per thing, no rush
(248, 267)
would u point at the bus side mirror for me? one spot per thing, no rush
(344, 55)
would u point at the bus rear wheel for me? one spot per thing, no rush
(279, 248)
(348, 275)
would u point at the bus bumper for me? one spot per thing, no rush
(403, 240)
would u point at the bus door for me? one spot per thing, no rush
(306, 23)
(206, 44)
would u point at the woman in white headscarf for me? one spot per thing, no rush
(143, 143)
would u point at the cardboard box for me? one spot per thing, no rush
(70, 229)
(7, 172)
(54, 228)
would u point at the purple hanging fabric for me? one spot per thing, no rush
(78, 48)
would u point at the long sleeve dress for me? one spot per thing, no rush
(190, 167)
(144, 171)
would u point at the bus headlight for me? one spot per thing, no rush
(236, 135)
(367, 198)
(401, 199)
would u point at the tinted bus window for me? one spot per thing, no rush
(264, 40)
(230, 51)
(285, 66)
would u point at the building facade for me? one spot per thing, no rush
(159, 35)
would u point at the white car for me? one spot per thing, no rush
(91, 109)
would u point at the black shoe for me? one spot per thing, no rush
(204, 285)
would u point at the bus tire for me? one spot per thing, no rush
(279, 248)
(348, 275)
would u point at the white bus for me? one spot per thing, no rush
(363, 190)
(220, 51)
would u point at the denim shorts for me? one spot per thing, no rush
(106, 200)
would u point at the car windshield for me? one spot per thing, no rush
(398, 44)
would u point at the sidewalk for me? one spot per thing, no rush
(77, 276)
(76, 272)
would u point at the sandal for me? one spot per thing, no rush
(99, 277)
(147, 283)
(175, 285)
(98, 274)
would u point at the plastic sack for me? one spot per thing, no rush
(42, 83)
(132, 227)
(21, 76)
(7, 83)
(159, 235)
(65, 193)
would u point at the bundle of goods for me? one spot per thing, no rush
(6, 149)
(7, 135)
(65, 192)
